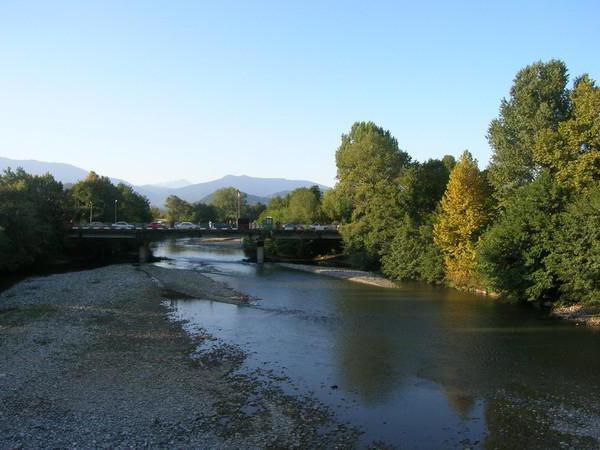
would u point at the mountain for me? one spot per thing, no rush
(174, 184)
(261, 187)
(257, 189)
(65, 173)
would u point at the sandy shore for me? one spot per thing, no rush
(357, 276)
(90, 360)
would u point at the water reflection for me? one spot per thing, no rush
(420, 366)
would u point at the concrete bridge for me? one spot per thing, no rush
(143, 236)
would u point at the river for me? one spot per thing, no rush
(417, 366)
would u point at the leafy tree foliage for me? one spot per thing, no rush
(132, 206)
(33, 218)
(301, 206)
(461, 220)
(538, 101)
(514, 254)
(203, 213)
(413, 255)
(336, 206)
(98, 195)
(572, 151)
(178, 210)
(575, 254)
(227, 200)
(368, 163)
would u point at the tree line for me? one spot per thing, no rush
(224, 205)
(36, 212)
(527, 227)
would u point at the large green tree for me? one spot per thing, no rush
(575, 250)
(538, 101)
(97, 194)
(178, 210)
(229, 202)
(33, 218)
(515, 253)
(572, 150)
(368, 163)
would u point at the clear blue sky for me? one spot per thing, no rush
(152, 91)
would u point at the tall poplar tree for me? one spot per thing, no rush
(572, 151)
(538, 101)
(461, 220)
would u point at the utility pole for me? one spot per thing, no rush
(239, 197)
(91, 211)
(116, 201)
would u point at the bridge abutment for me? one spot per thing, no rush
(260, 251)
(143, 252)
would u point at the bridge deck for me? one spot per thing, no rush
(143, 234)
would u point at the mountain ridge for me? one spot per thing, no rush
(259, 188)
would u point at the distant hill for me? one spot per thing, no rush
(174, 184)
(257, 189)
(260, 187)
(65, 173)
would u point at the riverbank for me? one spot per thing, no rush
(586, 314)
(90, 359)
(356, 276)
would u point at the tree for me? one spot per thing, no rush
(575, 256)
(178, 210)
(572, 151)
(413, 255)
(460, 222)
(253, 212)
(227, 200)
(422, 187)
(538, 101)
(203, 213)
(131, 206)
(33, 219)
(368, 163)
(94, 194)
(303, 206)
(514, 253)
(336, 205)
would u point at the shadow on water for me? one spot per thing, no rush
(417, 366)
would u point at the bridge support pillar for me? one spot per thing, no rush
(143, 252)
(260, 252)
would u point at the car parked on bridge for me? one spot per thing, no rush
(122, 226)
(96, 225)
(289, 227)
(157, 226)
(186, 226)
(318, 227)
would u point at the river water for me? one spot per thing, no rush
(415, 367)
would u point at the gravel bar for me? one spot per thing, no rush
(90, 360)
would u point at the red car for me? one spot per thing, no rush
(156, 226)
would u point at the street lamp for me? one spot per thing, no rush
(239, 196)
(116, 201)
(91, 211)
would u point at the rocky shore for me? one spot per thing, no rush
(90, 359)
(586, 314)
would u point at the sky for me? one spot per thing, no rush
(154, 91)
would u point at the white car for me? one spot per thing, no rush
(122, 226)
(185, 226)
(318, 227)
